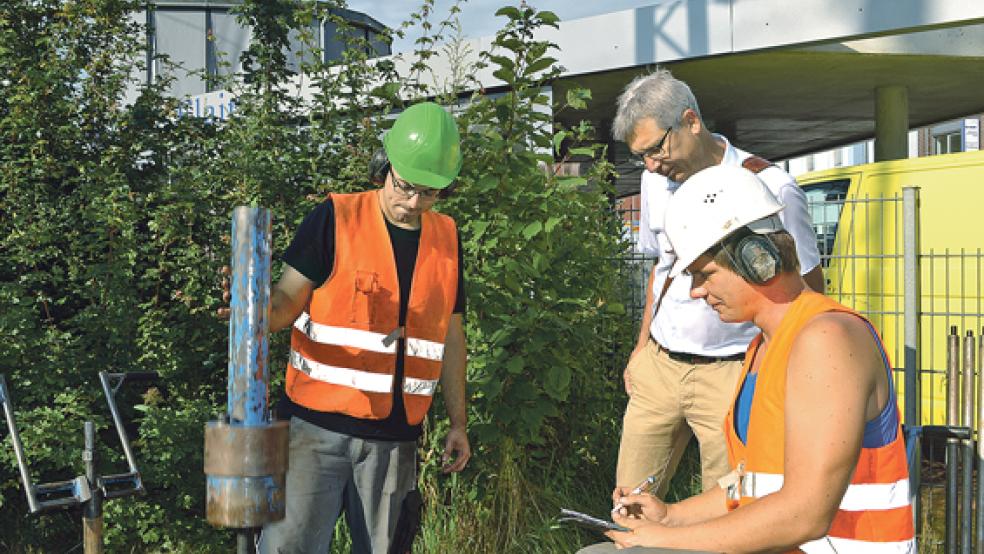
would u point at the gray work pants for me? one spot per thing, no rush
(328, 470)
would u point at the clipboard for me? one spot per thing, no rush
(600, 525)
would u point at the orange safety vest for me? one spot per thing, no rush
(875, 514)
(343, 346)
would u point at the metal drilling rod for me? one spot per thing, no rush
(953, 378)
(967, 466)
(969, 364)
(92, 512)
(952, 420)
(248, 325)
(246, 453)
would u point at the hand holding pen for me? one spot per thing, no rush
(646, 486)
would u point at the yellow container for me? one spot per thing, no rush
(858, 216)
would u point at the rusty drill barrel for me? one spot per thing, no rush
(246, 452)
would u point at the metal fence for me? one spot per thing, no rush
(924, 297)
(635, 267)
(875, 261)
(881, 260)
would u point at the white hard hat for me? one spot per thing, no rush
(712, 204)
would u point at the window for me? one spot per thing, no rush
(946, 143)
(825, 201)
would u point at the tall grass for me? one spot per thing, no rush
(519, 512)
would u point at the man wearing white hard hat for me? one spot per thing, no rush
(683, 368)
(813, 433)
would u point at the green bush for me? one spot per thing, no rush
(114, 222)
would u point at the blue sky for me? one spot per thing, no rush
(478, 16)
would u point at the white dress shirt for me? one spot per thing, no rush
(683, 324)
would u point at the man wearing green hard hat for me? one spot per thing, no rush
(372, 291)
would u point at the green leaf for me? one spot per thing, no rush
(572, 182)
(507, 76)
(487, 183)
(532, 230)
(388, 91)
(577, 98)
(540, 65)
(542, 141)
(557, 381)
(616, 308)
(548, 18)
(512, 44)
(478, 228)
(509, 280)
(492, 388)
(503, 62)
(515, 365)
(582, 151)
(509, 11)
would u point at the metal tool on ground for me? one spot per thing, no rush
(89, 490)
(245, 451)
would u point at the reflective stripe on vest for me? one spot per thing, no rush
(859, 497)
(362, 380)
(366, 340)
(343, 336)
(834, 545)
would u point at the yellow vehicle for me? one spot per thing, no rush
(858, 217)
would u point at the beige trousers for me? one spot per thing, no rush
(670, 402)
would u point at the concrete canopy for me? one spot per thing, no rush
(780, 78)
(789, 102)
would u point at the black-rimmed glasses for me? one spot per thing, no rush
(408, 190)
(655, 152)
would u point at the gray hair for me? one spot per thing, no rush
(658, 96)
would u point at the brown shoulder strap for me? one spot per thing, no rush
(755, 164)
(662, 293)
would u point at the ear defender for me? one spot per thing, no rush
(756, 259)
(448, 190)
(379, 166)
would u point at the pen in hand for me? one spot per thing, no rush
(645, 486)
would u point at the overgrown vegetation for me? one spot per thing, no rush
(114, 219)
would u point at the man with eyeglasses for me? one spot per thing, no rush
(682, 372)
(372, 290)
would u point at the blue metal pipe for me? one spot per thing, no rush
(246, 454)
(249, 375)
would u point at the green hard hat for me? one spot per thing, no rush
(423, 146)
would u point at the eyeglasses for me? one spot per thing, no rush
(656, 152)
(409, 191)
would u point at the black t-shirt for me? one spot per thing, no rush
(312, 253)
